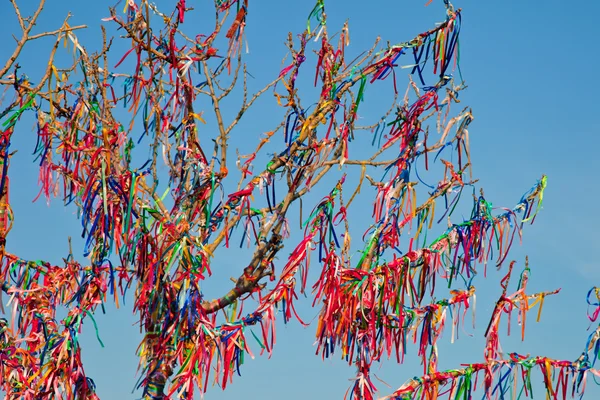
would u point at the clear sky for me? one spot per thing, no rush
(531, 68)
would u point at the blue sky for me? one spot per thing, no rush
(531, 68)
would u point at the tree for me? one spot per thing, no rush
(160, 199)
